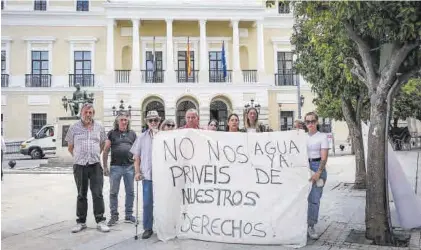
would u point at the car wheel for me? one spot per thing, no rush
(36, 153)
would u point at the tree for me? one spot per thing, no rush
(387, 37)
(407, 102)
(320, 61)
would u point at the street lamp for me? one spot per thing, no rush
(121, 109)
(251, 104)
(302, 100)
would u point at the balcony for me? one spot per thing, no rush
(218, 76)
(4, 80)
(150, 76)
(38, 80)
(182, 76)
(122, 76)
(85, 80)
(250, 75)
(287, 78)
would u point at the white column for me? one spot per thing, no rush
(169, 71)
(135, 72)
(110, 53)
(204, 71)
(237, 75)
(260, 51)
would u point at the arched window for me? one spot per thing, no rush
(155, 105)
(219, 111)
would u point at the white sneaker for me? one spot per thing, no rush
(102, 227)
(79, 227)
(312, 233)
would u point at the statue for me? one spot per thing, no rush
(79, 98)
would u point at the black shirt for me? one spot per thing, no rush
(121, 143)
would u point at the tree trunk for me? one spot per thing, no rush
(376, 217)
(354, 125)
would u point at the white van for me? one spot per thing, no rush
(42, 144)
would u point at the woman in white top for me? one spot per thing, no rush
(317, 149)
(251, 121)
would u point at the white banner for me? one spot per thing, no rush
(231, 187)
(407, 203)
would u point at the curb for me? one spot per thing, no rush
(36, 172)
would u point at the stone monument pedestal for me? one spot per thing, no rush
(63, 125)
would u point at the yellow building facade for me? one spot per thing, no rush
(137, 51)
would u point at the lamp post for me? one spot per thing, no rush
(251, 104)
(121, 109)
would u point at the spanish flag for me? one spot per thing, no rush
(188, 57)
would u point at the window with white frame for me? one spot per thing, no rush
(182, 67)
(284, 7)
(285, 75)
(154, 67)
(82, 5)
(38, 120)
(40, 5)
(286, 120)
(82, 66)
(325, 125)
(3, 62)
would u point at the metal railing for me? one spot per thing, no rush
(250, 75)
(218, 76)
(284, 7)
(85, 80)
(150, 76)
(182, 76)
(286, 78)
(38, 80)
(4, 80)
(122, 76)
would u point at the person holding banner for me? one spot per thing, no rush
(251, 121)
(317, 149)
(213, 125)
(142, 152)
(233, 121)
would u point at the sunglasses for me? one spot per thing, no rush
(153, 120)
(311, 121)
(170, 125)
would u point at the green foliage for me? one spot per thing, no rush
(408, 101)
(322, 47)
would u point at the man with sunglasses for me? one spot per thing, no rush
(120, 140)
(142, 152)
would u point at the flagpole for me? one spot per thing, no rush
(154, 61)
(188, 59)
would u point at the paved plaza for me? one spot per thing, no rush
(38, 212)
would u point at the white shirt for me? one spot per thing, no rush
(251, 130)
(316, 143)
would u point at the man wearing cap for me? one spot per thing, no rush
(120, 140)
(142, 152)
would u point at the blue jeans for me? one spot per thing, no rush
(147, 204)
(315, 196)
(116, 172)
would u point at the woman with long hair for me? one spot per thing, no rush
(317, 150)
(251, 121)
(233, 123)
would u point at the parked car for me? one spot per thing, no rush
(43, 143)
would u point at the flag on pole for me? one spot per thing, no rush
(224, 61)
(188, 58)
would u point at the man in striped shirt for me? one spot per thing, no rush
(86, 139)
